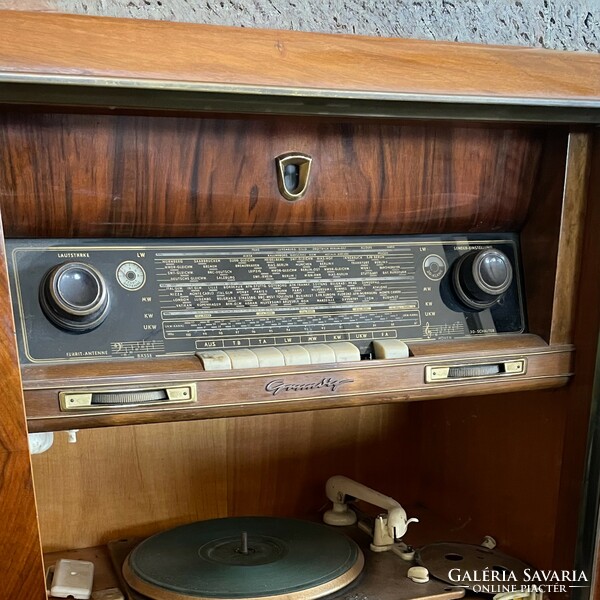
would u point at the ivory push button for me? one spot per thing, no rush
(320, 353)
(214, 360)
(345, 351)
(295, 355)
(269, 357)
(385, 349)
(242, 358)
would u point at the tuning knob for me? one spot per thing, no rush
(481, 277)
(74, 297)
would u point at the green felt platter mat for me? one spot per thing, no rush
(287, 558)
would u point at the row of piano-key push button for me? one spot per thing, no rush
(309, 354)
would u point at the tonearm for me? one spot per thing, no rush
(389, 527)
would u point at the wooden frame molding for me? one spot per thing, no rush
(312, 71)
(158, 53)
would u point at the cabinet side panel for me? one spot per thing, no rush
(579, 392)
(21, 569)
(573, 223)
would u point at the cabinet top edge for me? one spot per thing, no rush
(45, 51)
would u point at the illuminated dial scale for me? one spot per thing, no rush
(149, 298)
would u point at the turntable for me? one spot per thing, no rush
(245, 557)
(256, 558)
(286, 558)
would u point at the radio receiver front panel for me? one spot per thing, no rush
(91, 300)
(418, 259)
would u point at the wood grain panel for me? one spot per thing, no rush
(54, 422)
(137, 480)
(13, 430)
(102, 176)
(21, 569)
(495, 462)
(183, 53)
(129, 480)
(540, 234)
(591, 476)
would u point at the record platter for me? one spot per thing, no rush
(265, 557)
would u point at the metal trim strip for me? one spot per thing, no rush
(19, 89)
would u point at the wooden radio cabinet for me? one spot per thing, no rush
(130, 130)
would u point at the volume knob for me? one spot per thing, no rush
(481, 277)
(74, 297)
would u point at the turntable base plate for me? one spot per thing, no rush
(284, 558)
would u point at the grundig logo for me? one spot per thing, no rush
(278, 385)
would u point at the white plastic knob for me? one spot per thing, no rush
(489, 542)
(418, 574)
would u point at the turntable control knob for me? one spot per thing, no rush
(74, 296)
(481, 277)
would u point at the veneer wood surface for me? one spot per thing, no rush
(184, 54)
(21, 572)
(72, 175)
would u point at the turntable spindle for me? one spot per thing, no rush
(243, 549)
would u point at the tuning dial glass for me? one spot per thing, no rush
(131, 275)
(480, 278)
(74, 297)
